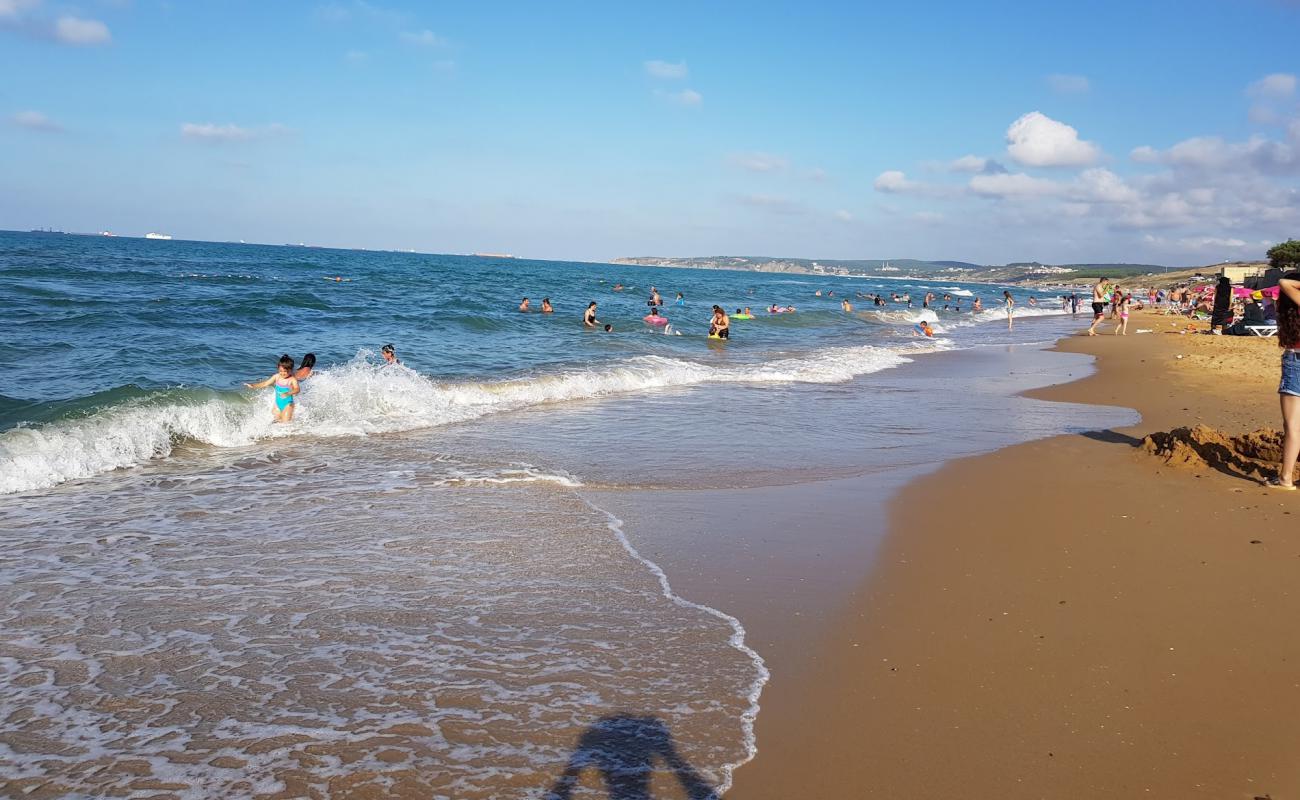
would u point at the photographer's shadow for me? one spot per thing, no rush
(625, 750)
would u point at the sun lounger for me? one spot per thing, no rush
(1262, 330)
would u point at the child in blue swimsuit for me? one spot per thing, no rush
(286, 386)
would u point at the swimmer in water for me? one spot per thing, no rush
(589, 316)
(308, 366)
(609, 328)
(681, 301)
(923, 328)
(390, 355)
(524, 305)
(846, 305)
(546, 306)
(618, 287)
(720, 326)
(655, 299)
(337, 279)
(286, 386)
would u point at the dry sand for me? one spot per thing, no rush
(1071, 618)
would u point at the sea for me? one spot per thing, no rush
(419, 587)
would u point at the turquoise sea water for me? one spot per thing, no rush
(413, 589)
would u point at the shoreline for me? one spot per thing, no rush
(1116, 629)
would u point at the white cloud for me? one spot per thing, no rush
(424, 38)
(1037, 140)
(1212, 153)
(666, 70)
(213, 133)
(36, 121)
(78, 31)
(894, 182)
(1261, 114)
(1279, 84)
(12, 9)
(975, 164)
(843, 216)
(1103, 186)
(1015, 184)
(758, 162)
(1068, 84)
(686, 97)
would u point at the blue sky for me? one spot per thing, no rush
(991, 132)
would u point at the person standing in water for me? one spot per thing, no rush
(286, 386)
(546, 306)
(846, 305)
(1010, 304)
(655, 299)
(308, 367)
(720, 326)
(524, 305)
(589, 316)
(390, 355)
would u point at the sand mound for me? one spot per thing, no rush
(1252, 455)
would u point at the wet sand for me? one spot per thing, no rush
(1066, 618)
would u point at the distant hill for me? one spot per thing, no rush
(1018, 272)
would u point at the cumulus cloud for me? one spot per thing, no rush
(424, 38)
(1279, 85)
(1068, 84)
(1015, 184)
(212, 133)
(13, 9)
(976, 164)
(894, 182)
(1212, 153)
(1037, 140)
(686, 97)
(77, 31)
(666, 70)
(35, 121)
(758, 162)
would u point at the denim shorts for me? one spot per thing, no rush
(1290, 373)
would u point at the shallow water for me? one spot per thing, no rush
(413, 589)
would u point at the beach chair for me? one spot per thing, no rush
(1265, 331)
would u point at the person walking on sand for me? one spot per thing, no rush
(1099, 295)
(1125, 304)
(286, 386)
(1010, 303)
(1288, 337)
(589, 316)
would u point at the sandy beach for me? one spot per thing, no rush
(1073, 617)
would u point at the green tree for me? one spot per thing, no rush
(1285, 255)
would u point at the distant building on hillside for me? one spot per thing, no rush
(1238, 273)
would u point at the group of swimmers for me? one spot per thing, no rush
(288, 381)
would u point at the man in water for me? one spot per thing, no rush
(390, 355)
(524, 305)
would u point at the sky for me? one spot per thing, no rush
(1165, 131)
